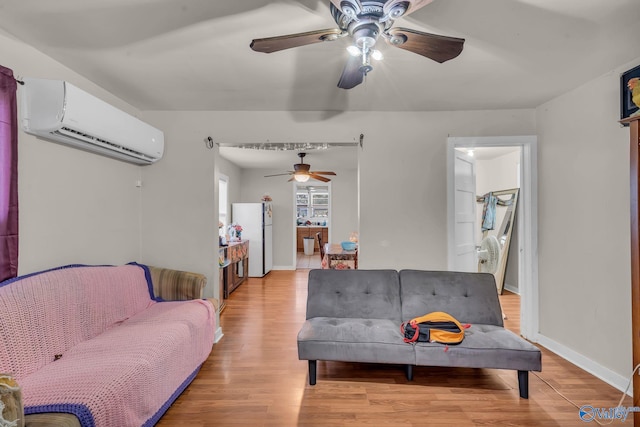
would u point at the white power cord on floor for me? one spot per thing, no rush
(624, 394)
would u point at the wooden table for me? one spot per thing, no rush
(337, 258)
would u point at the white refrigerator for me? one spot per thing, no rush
(256, 222)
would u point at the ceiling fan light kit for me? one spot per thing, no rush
(365, 21)
(301, 172)
(301, 177)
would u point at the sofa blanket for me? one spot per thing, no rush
(93, 341)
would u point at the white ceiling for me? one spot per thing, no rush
(195, 55)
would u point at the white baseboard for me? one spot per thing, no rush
(283, 267)
(218, 335)
(605, 374)
(513, 289)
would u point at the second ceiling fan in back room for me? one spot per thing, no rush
(301, 172)
(365, 21)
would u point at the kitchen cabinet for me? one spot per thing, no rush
(233, 261)
(303, 232)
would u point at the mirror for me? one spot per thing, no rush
(499, 207)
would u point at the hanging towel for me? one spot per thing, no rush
(489, 212)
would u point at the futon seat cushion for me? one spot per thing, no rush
(484, 346)
(353, 340)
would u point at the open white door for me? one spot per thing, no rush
(464, 206)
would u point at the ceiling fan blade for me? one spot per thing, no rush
(322, 173)
(412, 7)
(433, 46)
(291, 179)
(279, 174)
(318, 177)
(352, 75)
(275, 44)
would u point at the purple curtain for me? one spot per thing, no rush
(8, 175)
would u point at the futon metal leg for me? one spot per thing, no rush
(409, 372)
(523, 384)
(312, 372)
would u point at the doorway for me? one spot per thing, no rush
(312, 213)
(526, 222)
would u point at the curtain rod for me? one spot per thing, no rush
(288, 146)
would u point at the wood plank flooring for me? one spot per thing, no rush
(253, 378)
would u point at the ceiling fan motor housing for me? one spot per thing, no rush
(371, 11)
(365, 34)
(301, 167)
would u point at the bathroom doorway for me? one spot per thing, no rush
(526, 221)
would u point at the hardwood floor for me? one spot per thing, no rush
(253, 378)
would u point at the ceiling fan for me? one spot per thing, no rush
(301, 172)
(365, 21)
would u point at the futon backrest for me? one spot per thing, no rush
(364, 294)
(469, 297)
(45, 314)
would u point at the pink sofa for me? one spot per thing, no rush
(98, 343)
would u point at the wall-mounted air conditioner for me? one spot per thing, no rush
(59, 111)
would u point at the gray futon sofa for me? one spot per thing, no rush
(355, 316)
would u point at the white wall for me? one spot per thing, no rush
(500, 173)
(179, 199)
(234, 173)
(75, 207)
(344, 205)
(584, 255)
(402, 181)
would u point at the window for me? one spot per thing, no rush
(302, 198)
(223, 202)
(320, 212)
(303, 211)
(302, 204)
(312, 204)
(320, 199)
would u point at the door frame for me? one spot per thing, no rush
(527, 220)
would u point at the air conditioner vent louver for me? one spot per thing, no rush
(59, 111)
(65, 131)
